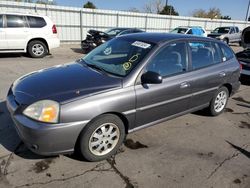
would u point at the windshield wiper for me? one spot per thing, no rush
(93, 66)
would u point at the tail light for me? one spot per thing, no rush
(240, 65)
(54, 30)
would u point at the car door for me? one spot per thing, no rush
(3, 42)
(17, 32)
(158, 101)
(208, 71)
(232, 36)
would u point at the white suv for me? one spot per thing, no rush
(27, 33)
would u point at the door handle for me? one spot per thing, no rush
(222, 74)
(184, 85)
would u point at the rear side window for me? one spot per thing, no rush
(36, 22)
(216, 53)
(14, 21)
(1, 21)
(226, 52)
(202, 54)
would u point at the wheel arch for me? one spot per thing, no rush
(39, 39)
(119, 115)
(229, 87)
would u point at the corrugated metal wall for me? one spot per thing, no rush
(73, 23)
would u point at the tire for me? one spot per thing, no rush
(240, 43)
(219, 101)
(225, 41)
(37, 49)
(101, 138)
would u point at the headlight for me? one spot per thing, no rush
(44, 111)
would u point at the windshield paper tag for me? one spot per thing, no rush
(141, 44)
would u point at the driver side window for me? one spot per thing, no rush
(172, 59)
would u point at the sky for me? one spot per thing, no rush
(235, 8)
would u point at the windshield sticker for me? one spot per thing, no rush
(133, 59)
(141, 44)
(107, 51)
(127, 65)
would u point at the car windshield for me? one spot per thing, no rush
(179, 30)
(221, 30)
(114, 32)
(118, 56)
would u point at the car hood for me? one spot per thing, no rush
(62, 83)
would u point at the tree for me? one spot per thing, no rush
(89, 5)
(154, 6)
(133, 9)
(212, 13)
(199, 13)
(27, 1)
(169, 10)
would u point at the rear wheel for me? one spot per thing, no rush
(219, 101)
(101, 138)
(37, 49)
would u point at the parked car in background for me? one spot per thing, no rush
(21, 33)
(95, 38)
(244, 56)
(128, 83)
(230, 34)
(195, 30)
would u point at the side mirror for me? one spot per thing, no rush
(151, 78)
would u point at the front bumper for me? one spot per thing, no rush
(42, 138)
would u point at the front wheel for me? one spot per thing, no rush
(226, 41)
(219, 101)
(101, 138)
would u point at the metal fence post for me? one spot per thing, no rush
(170, 24)
(205, 26)
(81, 25)
(146, 22)
(117, 20)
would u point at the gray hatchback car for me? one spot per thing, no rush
(128, 83)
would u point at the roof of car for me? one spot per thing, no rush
(190, 27)
(22, 14)
(161, 37)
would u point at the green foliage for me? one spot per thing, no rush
(169, 10)
(89, 5)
